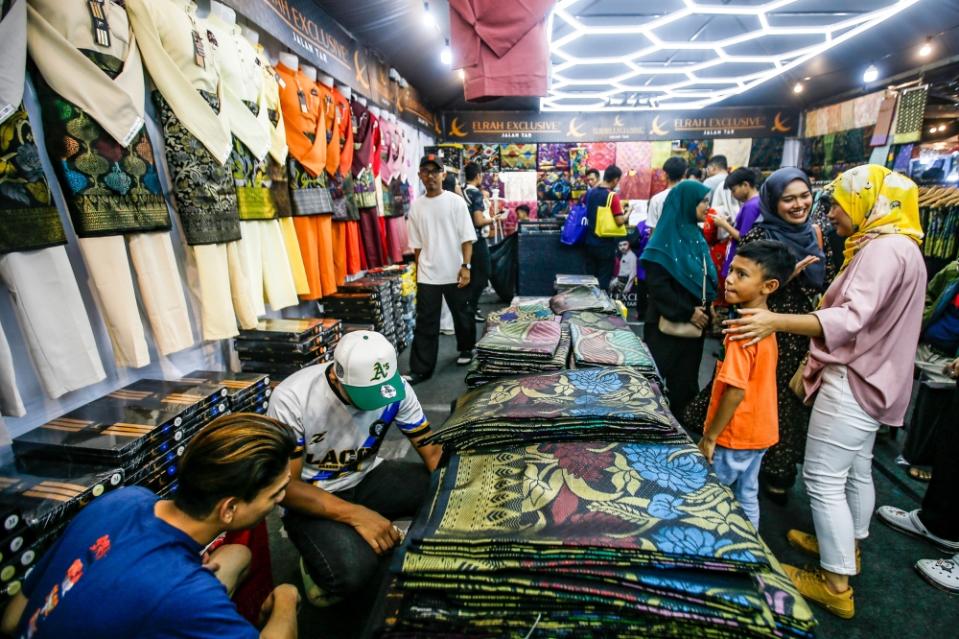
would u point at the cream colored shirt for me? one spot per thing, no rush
(13, 52)
(271, 100)
(164, 32)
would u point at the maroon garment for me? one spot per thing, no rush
(502, 46)
(370, 238)
(366, 139)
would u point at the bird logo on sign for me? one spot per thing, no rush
(574, 131)
(455, 129)
(360, 70)
(780, 124)
(656, 129)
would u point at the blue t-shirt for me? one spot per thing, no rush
(119, 571)
(944, 332)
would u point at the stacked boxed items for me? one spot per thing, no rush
(37, 506)
(588, 539)
(280, 347)
(245, 392)
(564, 281)
(519, 348)
(142, 428)
(587, 404)
(582, 298)
(403, 280)
(365, 301)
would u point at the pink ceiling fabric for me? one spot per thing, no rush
(503, 47)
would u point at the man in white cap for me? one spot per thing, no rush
(343, 498)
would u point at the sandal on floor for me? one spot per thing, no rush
(909, 523)
(941, 573)
(919, 473)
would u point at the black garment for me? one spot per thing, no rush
(677, 358)
(337, 557)
(600, 261)
(481, 267)
(940, 506)
(429, 305)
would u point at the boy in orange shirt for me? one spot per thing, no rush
(742, 420)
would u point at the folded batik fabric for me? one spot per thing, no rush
(616, 403)
(578, 157)
(546, 209)
(535, 339)
(521, 312)
(582, 298)
(594, 320)
(553, 157)
(600, 155)
(518, 157)
(553, 185)
(599, 347)
(486, 155)
(487, 367)
(563, 281)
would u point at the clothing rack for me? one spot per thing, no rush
(939, 216)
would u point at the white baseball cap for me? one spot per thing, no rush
(365, 363)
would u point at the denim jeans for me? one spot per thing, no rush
(739, 469)
(338, 559)
(838, 471)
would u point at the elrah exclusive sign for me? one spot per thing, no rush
(531, 126)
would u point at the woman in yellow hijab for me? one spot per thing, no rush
(874, 201)
(859, 371)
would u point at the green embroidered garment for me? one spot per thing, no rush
(252, 179)
(109, 188)
(28, 217)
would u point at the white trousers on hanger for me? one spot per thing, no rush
(160, 288)
(10, 403)
(53, 319)
(267, 265)
(223, 290)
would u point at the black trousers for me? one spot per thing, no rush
(481, 266)
(940, 506)
(338, 559)
(678, 360)
(600, 261)
(426, 338)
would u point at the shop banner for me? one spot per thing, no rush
(532, 126)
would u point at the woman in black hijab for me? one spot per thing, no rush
(786, 202)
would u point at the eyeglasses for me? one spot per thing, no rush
(431, 172)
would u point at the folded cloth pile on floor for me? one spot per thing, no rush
(582, 298)
(595, 320)
(563, 281)
(588, 539)
(608, 403)
(519, 348)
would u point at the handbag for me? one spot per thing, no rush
(796, 381)
(684, 329)
(606, 225)
(575, 226)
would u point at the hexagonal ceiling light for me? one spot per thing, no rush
(687, 54)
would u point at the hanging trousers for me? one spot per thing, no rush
(53, 319)
(429, 299)
(10, 403)
(315, 235)
(223, 290)
(288, 230)
(266, 265)
(339, 251)
(160, 289)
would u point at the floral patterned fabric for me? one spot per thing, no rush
(634, 156)
(538, 310)
(583, 404)
(599, 347)
(252, 178)
(553, 157)
(489, 366)
(535, 339)
(595, 320)
(109, 188)
(582, 298)
(204, 189)
(486, 154)
(635, 184)
(311, 193)
(553, 185)
(518, 157)
(578, 165)
(600, 155)
(28, 218)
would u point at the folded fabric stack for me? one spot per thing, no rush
(582, 298)
(588, 539)
(280, 347)
(529, 309)
(36, 507)
(403, 289)
(595, 320)
(519, 348)
(564, 281)
(617, 347)
(245, 392)
(365, 301)
(614, 403)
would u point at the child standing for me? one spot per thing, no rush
(742, 420)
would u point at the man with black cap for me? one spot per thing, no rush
(343, 498)
(441, 234)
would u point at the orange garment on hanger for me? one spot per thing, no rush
(324, 225)
(331, 126)
(339, 251)
(353, 252)
(344, 117)
(303, 118)
(308, 235)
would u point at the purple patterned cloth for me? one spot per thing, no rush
(553, 157)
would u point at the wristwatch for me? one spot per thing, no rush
(466, 266)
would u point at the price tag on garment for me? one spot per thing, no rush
(199, 52)
(101, 28)
(302, 98)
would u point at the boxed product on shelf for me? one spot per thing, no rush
(282, 347)
(240, 387)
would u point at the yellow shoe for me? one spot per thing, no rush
(812, 585)
(314, 594)
(810, 545)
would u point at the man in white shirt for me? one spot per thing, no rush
(441, 235)
(675, 169)
(343, 498)
(721, 199)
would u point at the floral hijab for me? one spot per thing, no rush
(880, 202)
